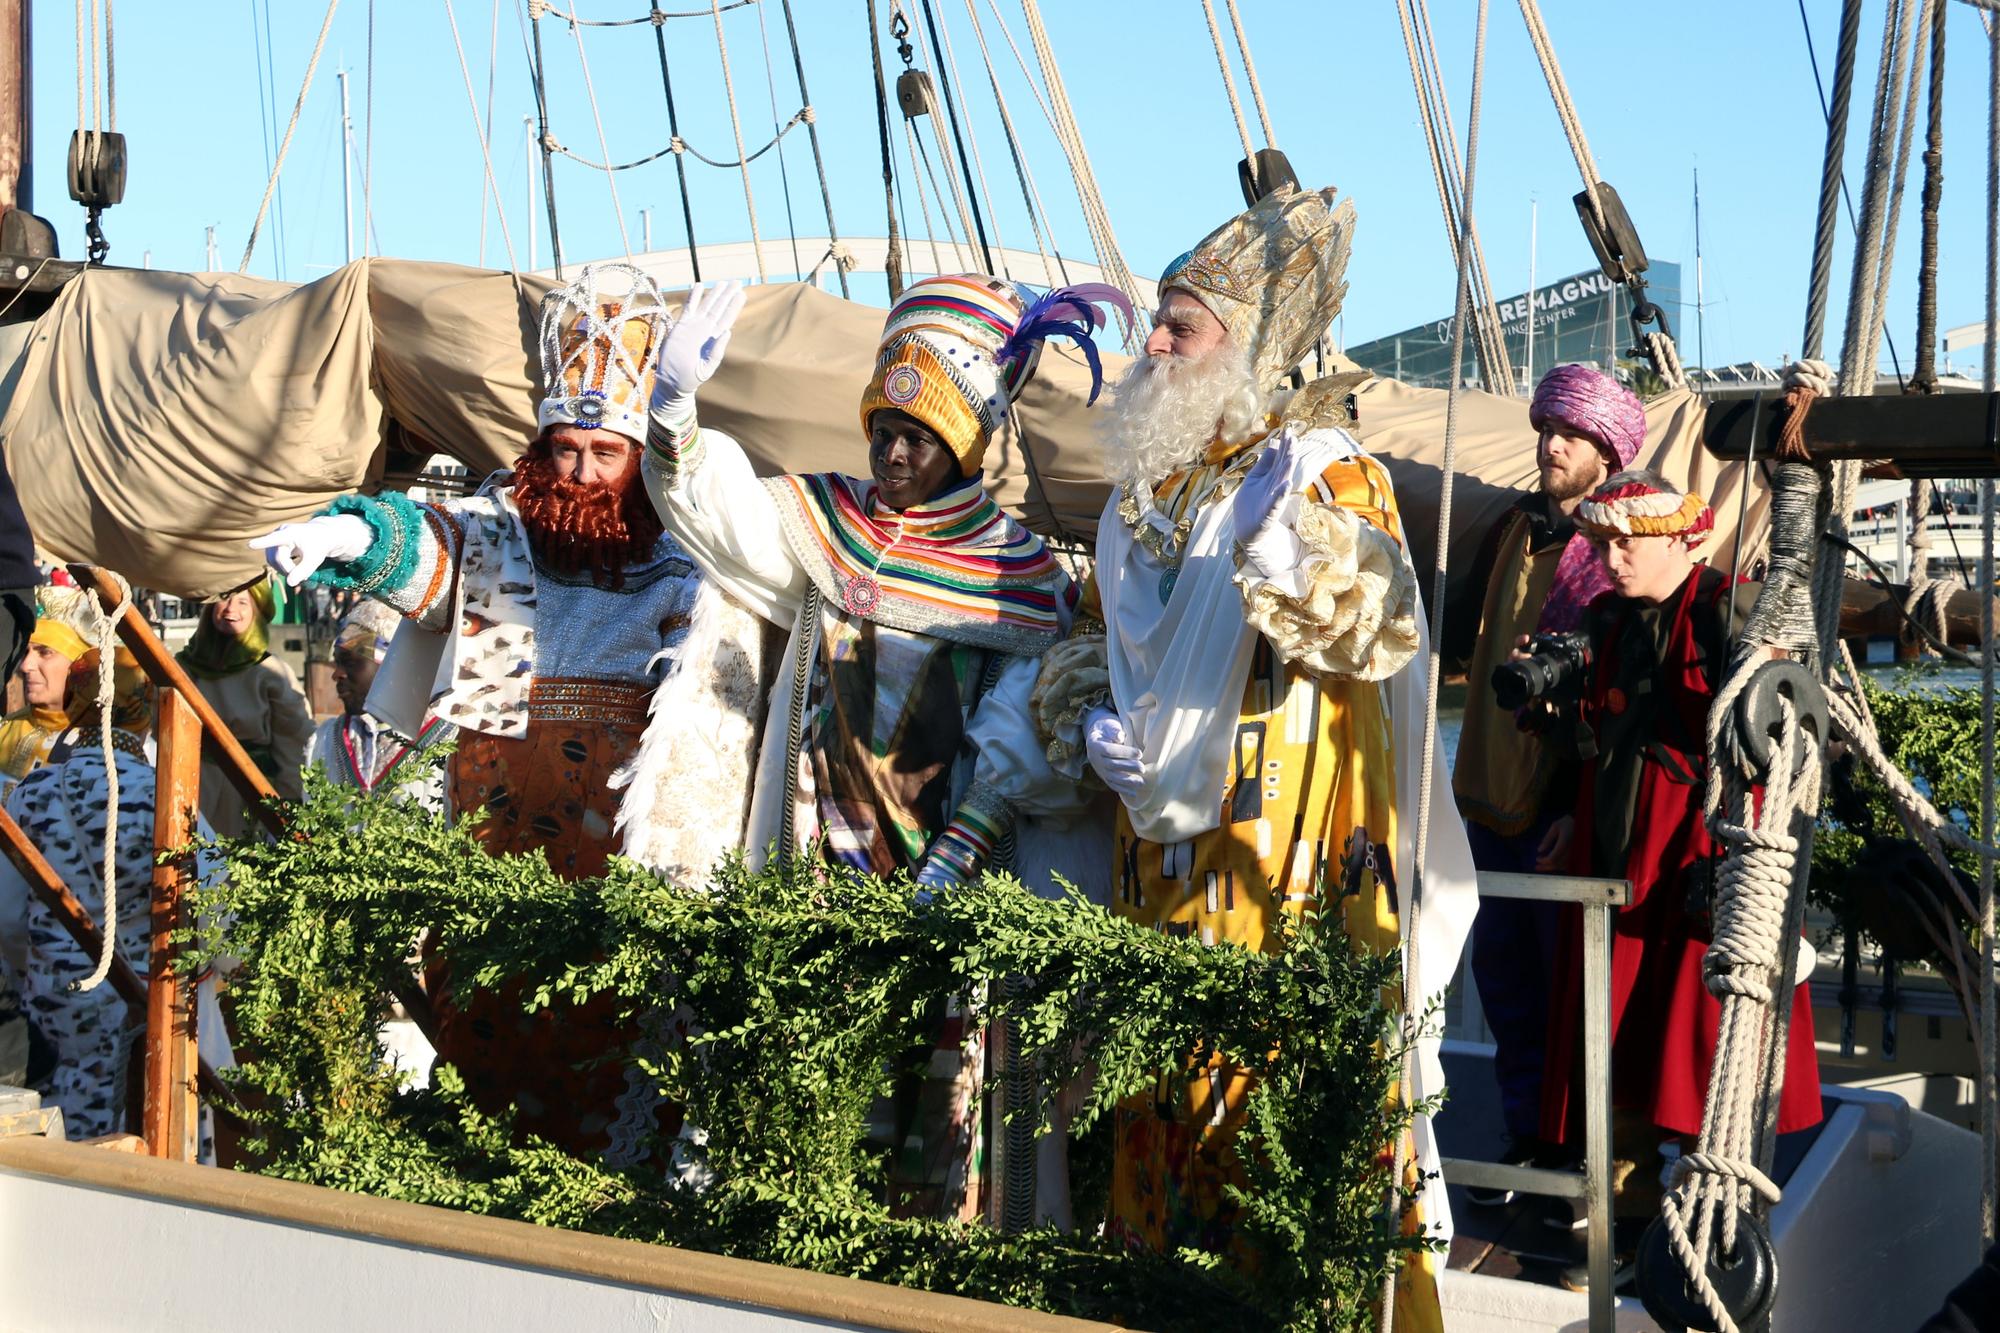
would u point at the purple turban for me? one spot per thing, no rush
(1591, 403)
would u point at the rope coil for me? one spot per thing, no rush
(1744, 971)
(107, 650)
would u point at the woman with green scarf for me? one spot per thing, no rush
(256, 694)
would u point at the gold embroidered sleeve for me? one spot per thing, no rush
(1075, 678)
(1350, 607)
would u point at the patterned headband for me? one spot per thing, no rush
(1633, 508)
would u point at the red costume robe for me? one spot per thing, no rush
(1638, 817)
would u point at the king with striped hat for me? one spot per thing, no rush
(917, 610)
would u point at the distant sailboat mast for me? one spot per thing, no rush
(1700, 301)
(1528, 369)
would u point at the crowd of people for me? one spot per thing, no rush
(644, 648)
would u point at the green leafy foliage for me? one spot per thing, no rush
(1931, 732)
(811, 988)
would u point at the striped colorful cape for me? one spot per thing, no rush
(955, 567)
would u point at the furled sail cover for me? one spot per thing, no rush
(155, 421)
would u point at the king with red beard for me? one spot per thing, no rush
(606, 694)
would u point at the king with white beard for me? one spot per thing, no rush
(1252, 613)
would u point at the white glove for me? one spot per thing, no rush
(297, 549)
(1113, 757)
(693, 349)
(1266, 508)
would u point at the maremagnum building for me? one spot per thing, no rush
(1585, 317)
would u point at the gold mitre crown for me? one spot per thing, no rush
(1273, 274)
(599, 337)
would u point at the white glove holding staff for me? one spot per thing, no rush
(1266, 508)
(295, 550)
(693, 349)
(1112, 756)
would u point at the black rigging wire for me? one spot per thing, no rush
(951, 113)
(674, 129)
(778, 137)
(537, 71)
(812, 133)
(892, 264)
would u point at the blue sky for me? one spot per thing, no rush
(1661, 91)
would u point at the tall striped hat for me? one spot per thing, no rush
(957, 349)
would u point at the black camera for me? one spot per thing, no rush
(1555, 670)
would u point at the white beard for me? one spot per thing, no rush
(1165, 411)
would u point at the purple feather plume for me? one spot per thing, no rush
(1071, 312)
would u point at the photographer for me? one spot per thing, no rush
(1657, 646)
(1510, 785)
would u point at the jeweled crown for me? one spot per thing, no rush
(599, 337)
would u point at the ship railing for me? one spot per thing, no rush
(1592, 1186)
(186, 730)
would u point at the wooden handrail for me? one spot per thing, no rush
(159, 665)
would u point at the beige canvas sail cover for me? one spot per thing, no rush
(155, 421)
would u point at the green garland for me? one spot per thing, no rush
(810, 986)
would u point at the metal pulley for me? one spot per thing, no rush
(1263, 173)
(1745, 1279)
(1619, 251)
(96, 180)
(914, 93)
(97, 167)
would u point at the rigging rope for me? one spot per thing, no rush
(1426, 75)
(841, 260)
(1250, 70)
(1658, 345)
(736, 127)
(966, 217)
(1486, 320)
(674, 134)
(678, 147)
(538, 75)
(1830, 183)
(944, 73)
(1096, 217)
(1579, 147)
(892, 262)
(656, 17)
(1031, 197)
(1747, 970)
(284, 144)
(1228, 81)
(492, 72)
(1857, 359)
(597, 117)
(1989, 1004)
(1411, 978)
(368, 143)
(1923, 376)
(915, 143)
(784, 172)
(485, 149)
(942, 31)
(107, 650)
(1879, 293)
(1874, 250)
